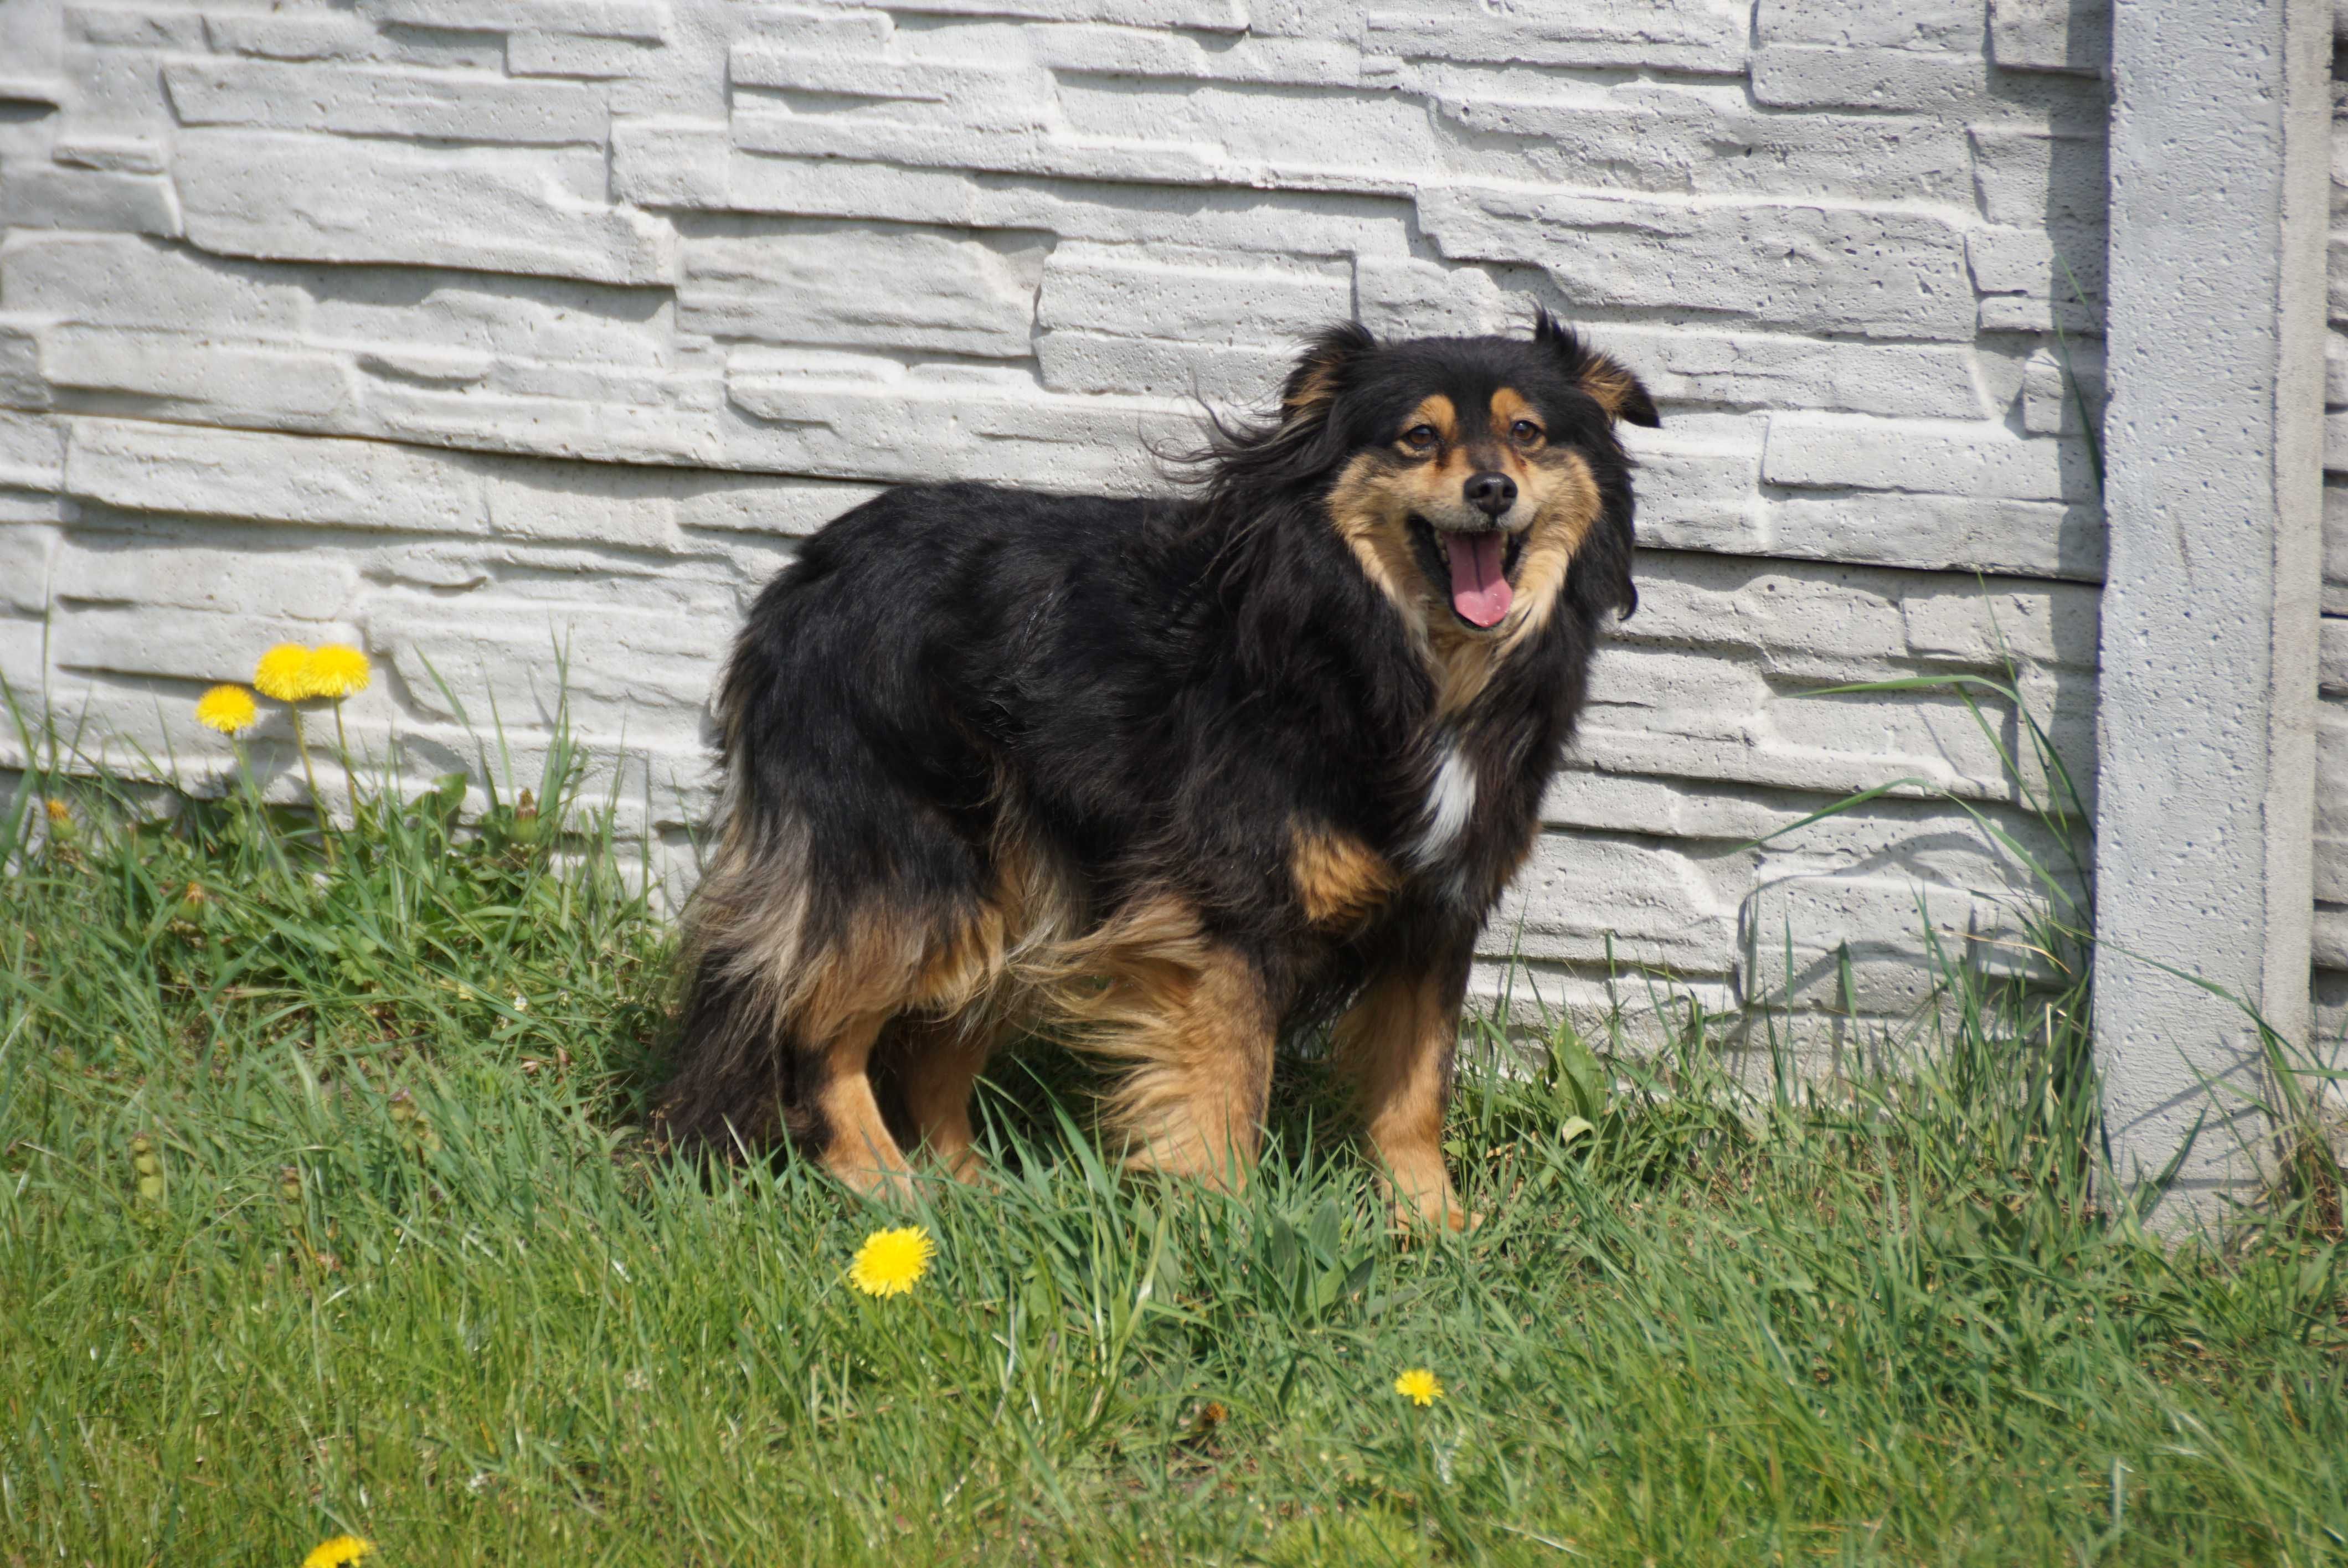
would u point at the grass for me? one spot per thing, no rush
(322, 1208)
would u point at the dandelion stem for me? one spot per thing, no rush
(253, 802)
(350, 780)
(317, 802)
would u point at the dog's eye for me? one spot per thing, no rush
(1525, 433)
(1420, 437)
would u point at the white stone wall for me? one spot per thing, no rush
(460, 328)
(2332, 725)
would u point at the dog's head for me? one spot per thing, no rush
(1467, 475)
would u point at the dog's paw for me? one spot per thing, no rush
(1444, 1212)
(966, 1167)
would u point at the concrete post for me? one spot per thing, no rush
(2213, 444)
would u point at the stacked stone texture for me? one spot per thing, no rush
(2331, 722)
(474, 330)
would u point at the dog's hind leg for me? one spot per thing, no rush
(1397, 1042)
(758, 1065)
(856, 1145)
(894, 961)
(933, 1064)
(784, 1017)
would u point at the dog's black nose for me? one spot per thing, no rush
(1494, 493)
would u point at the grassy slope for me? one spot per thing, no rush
(406, 1273)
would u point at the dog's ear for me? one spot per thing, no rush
(1611, 386)
(1320, 374)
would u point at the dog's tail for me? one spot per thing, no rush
(740, 1078)
(740, 1075)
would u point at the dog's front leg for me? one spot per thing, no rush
(1396, 1042)
(1193, 1104)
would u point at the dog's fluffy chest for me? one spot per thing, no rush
(1446, 811)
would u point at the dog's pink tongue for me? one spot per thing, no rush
(1479, 592)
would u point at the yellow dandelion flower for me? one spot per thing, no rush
(1419, 1386)
(337, 671)
(227, 709)
(284, 672)
(339, 1552)
(60, 814)
(891, 1261)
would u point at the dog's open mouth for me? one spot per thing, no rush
(1476, 567)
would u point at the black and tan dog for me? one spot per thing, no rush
(1169, 776)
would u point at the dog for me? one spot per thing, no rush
(1171, 777)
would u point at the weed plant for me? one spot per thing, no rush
(325, 1208)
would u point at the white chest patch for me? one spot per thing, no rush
(1450, 801)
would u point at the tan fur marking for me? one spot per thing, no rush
(1462, 663)
(1318, 388)
(1508, 405)
(1442, 482)
(1396, 1042)
(1608, 383)
(974, 991)
(965, 966)
(1340, 879)
(1362, 507)
(1437, 411)
(1568, 509)
(868, 977)
(1190, 1018)
(934, 1062)
(753, 907)
(1193, 1104)
(859, 1151)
